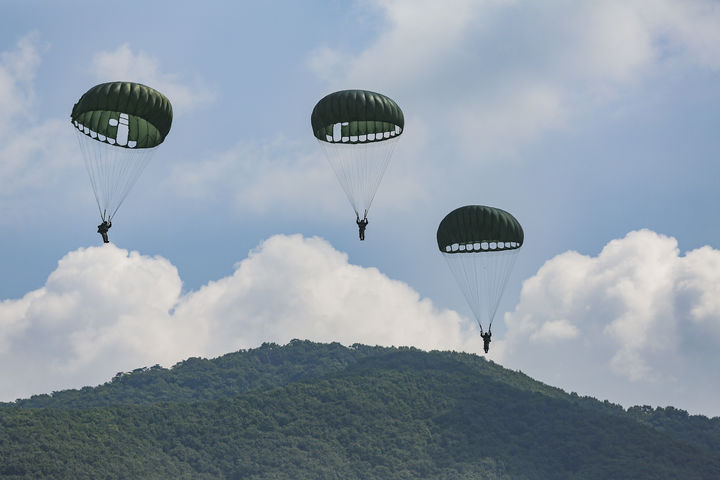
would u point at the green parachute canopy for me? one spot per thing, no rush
(479, 228)
(358, 131)
(480, 245)
(356, 116)
(123, 114)
(118, 126)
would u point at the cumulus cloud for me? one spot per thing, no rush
(639, 321)
(637, 324)
(523, 68)
(105, 310)
(124, 64)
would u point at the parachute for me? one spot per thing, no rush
(480, 245)
(119, 125)
(358, 131)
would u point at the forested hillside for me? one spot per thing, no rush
(317, 411)
(268, 366)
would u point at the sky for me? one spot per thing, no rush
(593, 123)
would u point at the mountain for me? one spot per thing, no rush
(324, 411)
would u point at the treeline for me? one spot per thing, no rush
(198, 379)
(328, 412)
(268, 366)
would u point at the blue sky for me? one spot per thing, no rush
(593, 123)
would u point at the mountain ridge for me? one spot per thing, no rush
(310, 410)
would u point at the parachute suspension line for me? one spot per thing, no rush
(501, 268)
(128, 171)
(482, 277)
(113, 171)
(85, 149)
(466, 275)
(359, 167)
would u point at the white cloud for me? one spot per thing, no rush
(325, 62)
(31, 157)
(523, 68)
(260, 177)
(105, 310)
(637, 322)
(685, 29)
(552, 330)
(17, 72)
(279, 176)
(122, 64)
(33, 154)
